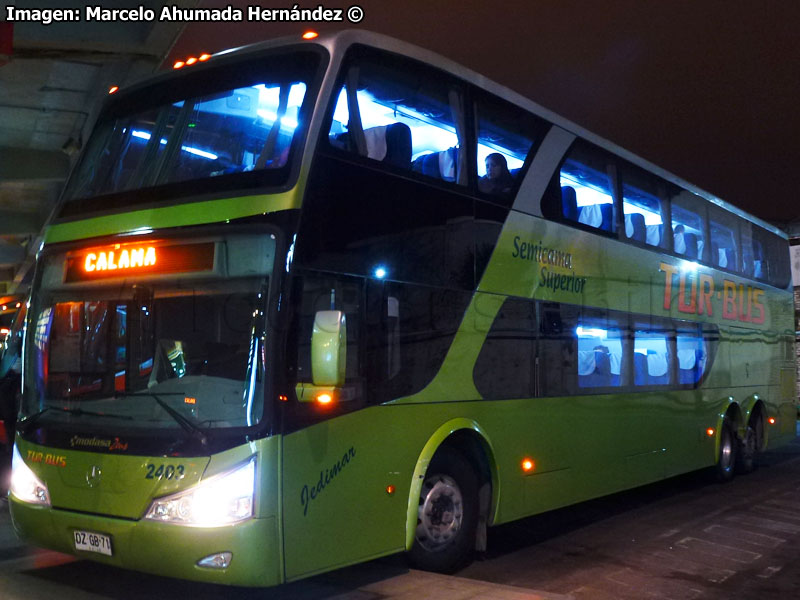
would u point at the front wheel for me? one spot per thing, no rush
(447, 517)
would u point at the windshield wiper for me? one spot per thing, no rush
(187, 424)
(29, 421)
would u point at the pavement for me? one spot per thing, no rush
(28, 573)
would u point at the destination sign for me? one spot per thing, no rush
(148, 258)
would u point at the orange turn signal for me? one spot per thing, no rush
(527, 465)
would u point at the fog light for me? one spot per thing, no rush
(220, 560)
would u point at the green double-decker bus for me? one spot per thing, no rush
(313, 302)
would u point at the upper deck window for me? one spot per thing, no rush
(688, 225)
(400, 116)
(239, 119)
(586, 188)
(505, 136)
(642, 205)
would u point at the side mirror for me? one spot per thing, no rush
(329, 348)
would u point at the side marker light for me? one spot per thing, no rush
(527, 465)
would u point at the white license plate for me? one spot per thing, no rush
(93, 542)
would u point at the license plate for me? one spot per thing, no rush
(93, 542)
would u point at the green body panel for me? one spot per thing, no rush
(158, 548)
(322, 500)
(623, 277)
(197, 213)
(122, 488)
(153, 547)
(583, 447)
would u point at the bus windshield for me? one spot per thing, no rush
(208, 124)
(151, 352)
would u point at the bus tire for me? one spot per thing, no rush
(726, 457)
(448, 514)
(749, 447)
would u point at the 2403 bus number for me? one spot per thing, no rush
(165, 471)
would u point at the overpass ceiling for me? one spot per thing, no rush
(51, 87)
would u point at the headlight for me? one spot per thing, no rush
(25, 486)
(222, 500)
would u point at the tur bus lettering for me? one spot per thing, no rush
(695, 293)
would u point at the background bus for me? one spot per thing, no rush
(287, 320)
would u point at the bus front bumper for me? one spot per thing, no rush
(159, 548)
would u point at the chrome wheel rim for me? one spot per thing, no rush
(726, 451)
(441, 513)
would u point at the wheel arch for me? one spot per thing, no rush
(469, 438)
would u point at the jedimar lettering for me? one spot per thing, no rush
(326, 477)
(127, 258)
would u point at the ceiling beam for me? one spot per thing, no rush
(25, 163)
(14, 222)
(11, 254)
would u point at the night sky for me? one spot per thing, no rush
(708, 90)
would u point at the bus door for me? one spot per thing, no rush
(336, 510)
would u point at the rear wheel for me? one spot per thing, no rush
(726, 457)
(750, 446)
(448, 514)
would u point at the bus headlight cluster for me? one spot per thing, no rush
(222, 500)
(25, 485)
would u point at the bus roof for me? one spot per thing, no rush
(339, 41)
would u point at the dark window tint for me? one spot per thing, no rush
(411, 329)
(397, 112)
(505, 136)
(752, 264)
(586, 188)
(692, 353)
(653, 357)
(724, 239)
(504, 368)
(600, 351)
(775, 266)
(688, 224)
(644, 210)
(558, 349)
(208, 123)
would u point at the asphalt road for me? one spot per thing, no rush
(684, 538)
